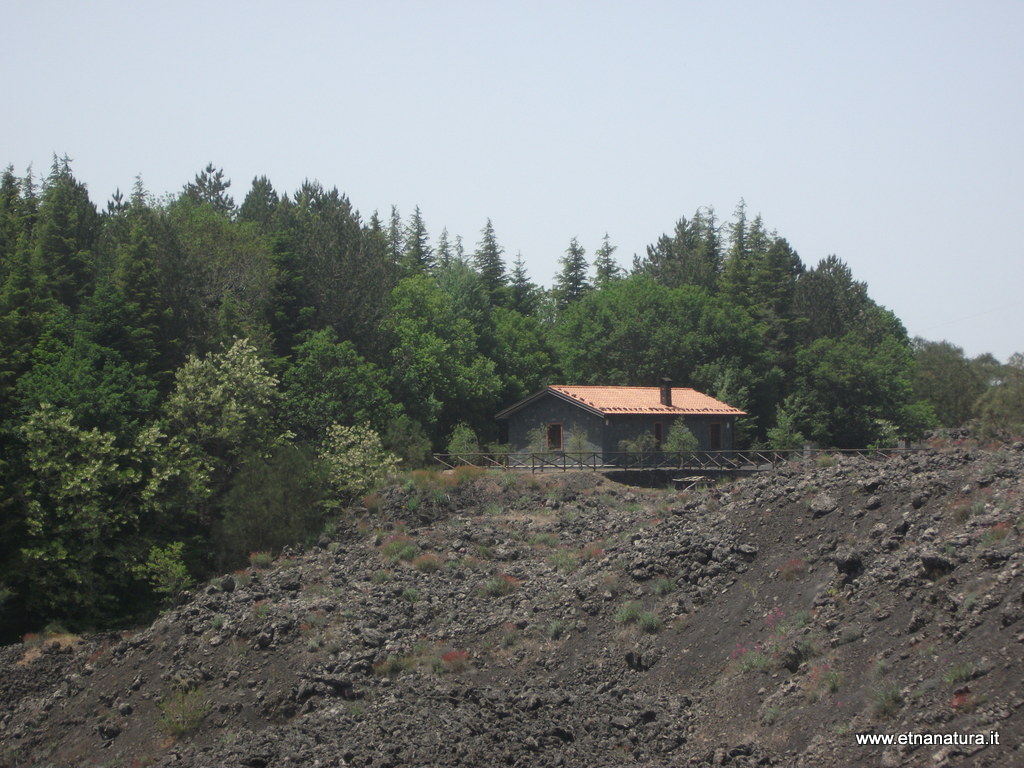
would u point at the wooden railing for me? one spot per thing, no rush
(689, 461)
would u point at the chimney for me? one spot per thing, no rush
(666, 391)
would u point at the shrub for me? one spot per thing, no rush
(463, 440)
(394, 665)
(963, 701)
(633, 613)
(429, 479)
(833, 679)
(792, 569)
(274, 501)
(427, 563)
(455, 661)
(411, 594)
(466, 473)
(961, 510)
(755, 661)
(166, 570)
(886, 700)
(182, 712)
(356, 461)
(499, 586)
(680, 438)
(996, 533)
(662, 587)
(628, 613)
(958, 673)
(555, 630)
(399, 548)
(592, 551)
(544, 540)
(751, 659)
(261, 560)
(649, 623)
(381, 577)
(564, 561)
(771, 716)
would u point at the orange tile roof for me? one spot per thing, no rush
(645, 400)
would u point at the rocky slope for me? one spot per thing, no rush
(565, 620)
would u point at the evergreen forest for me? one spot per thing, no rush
(188, 380)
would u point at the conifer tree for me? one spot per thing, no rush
(260, 204)
(606, 270)
(396, 236)
(444, 250)
(490, 264)
(572, 284)
(211, 187)
(65, 232)
(690, 256)
(524, 295)
(418, 256)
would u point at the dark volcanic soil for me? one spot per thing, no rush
(522, 620)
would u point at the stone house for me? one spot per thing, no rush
(598, 419)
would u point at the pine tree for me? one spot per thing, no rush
(65, 233)
(11, 218)
(211, 187)
(524, 295)
(692, 255)
(606, 270)
(572, 284)
(444, 250)
(418, 256)
(396, 236)
(260, 204)
(490, 264)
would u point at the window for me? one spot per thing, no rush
(554, 437)
(659, 434)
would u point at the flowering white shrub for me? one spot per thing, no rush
(356, 461)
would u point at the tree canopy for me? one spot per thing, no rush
(183, 381)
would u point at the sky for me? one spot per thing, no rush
(890, 134)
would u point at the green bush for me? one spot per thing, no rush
(544, 540)
(463, 440)
(261, 559)
(399, 548)
(649, 623)
(183, 711)
(629, 613)
(427, 563)
(564, 562)
(680, 438)
(500, 585)
(166, 570)
(958, 673)
(662, 587)
(886, 700)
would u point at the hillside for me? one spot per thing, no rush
(566, 620)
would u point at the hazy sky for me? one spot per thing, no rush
(888, 133)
